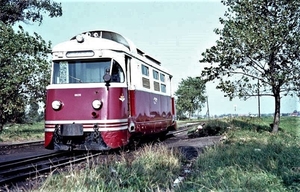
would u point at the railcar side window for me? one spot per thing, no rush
(146, 83)
(156, 86)
(145, 70)
(162, 77)
(163, 88)
(155, 75)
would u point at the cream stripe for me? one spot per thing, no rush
(92, 129)
(87, 121)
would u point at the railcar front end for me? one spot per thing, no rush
(87, 105)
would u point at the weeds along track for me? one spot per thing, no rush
(28, 167)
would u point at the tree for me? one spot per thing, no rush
(257, 53)
(24, 64)
(33, 114)
(190, 96)
(24, 71)
(28, 10)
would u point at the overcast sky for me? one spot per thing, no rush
(174, 32)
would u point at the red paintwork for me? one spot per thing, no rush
(173, 106)
(149, 112)
(48, 140)
(80, 107)
(150, 115)
(77, 107)
(115, 139)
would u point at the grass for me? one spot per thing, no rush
(250, 159)
(154, 169)
(271, 164)
(22, 132)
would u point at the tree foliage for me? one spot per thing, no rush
(258, 50)
(190, 96)
(24, 64)
(27, 11)
(24, 71)
(33, 114)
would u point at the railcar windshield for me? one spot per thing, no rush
(69, 72)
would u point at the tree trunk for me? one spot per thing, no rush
(1, 123)
(276, 120)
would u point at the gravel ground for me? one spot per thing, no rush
(191, 147)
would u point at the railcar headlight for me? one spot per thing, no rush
(56, 105)
(79, 38)
(97, 104)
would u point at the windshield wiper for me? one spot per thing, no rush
(77, 79)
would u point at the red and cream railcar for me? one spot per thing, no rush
(103, 91)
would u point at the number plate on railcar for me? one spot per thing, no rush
(72, 130)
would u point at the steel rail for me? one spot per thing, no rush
(30, 167)
(6, 146)
(16, 162)
(184, 128)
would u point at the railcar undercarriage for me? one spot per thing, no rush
(71, 137)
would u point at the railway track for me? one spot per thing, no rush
(184, 128)
(5, 146)
(20, 169)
